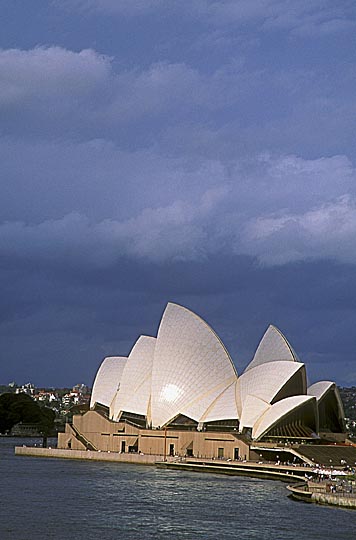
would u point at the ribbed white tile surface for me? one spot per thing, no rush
(277, 411)
(135, 386)
(253, 408)
(224, 407)
(265, 381)
(319, 389)
(191, 366)
(272, 347)
(107, 380)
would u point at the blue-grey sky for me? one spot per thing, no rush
(201, 152)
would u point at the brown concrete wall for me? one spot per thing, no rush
(108, 436)
(103, 433)
(69, 440)
(86, 454)
(254, 456)
(208, 445)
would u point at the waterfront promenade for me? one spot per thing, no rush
(218, 466)
(334, 493)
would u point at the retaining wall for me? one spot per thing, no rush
(334, 499)
(89, 455)
(301, 492)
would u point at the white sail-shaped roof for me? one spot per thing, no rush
(187, 371)
(224, 407)
(135, 386)
(272, 347)
(191, 367)
(323, 389)
(319, 389)
(265, 381)
(253, 408)
(107, 380)
(278, 411)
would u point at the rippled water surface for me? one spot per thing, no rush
(60, 499)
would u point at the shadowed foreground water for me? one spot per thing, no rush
(60, 499)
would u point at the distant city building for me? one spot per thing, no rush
(81, 389)
(46, 396)
(184, 380)
(79, 395)
(28, 389)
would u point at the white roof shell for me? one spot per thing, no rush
(191, 367)
(253, 408)
(187, 370)
(278, 411)
(272, 347)
(319, 389)
(107, 380)
(224, 407)
(264, 381)
(135, 385)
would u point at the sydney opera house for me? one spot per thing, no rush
(179, 393)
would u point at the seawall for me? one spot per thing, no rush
(260, 470)
(303, 493)
(140, 459)
(269, 472)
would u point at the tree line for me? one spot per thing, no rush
(15, 408)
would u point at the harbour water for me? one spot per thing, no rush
(58, 499)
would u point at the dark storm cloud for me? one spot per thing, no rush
(284, 209)
(302, 15)
(53, 92)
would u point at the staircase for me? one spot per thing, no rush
(88, 445)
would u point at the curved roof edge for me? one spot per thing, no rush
(266, 380)
(319, 389)
(254, 408)
(191, 366)
(280, 410)
(107, 379)
(143, 338)
(135, 386)
(203, 401)
(273, 346)
(209, 328)
(224, 406)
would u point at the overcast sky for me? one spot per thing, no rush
(194, 151)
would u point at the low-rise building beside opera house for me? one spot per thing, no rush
(179, 394)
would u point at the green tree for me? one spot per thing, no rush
(16, 408)
(46, 423)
